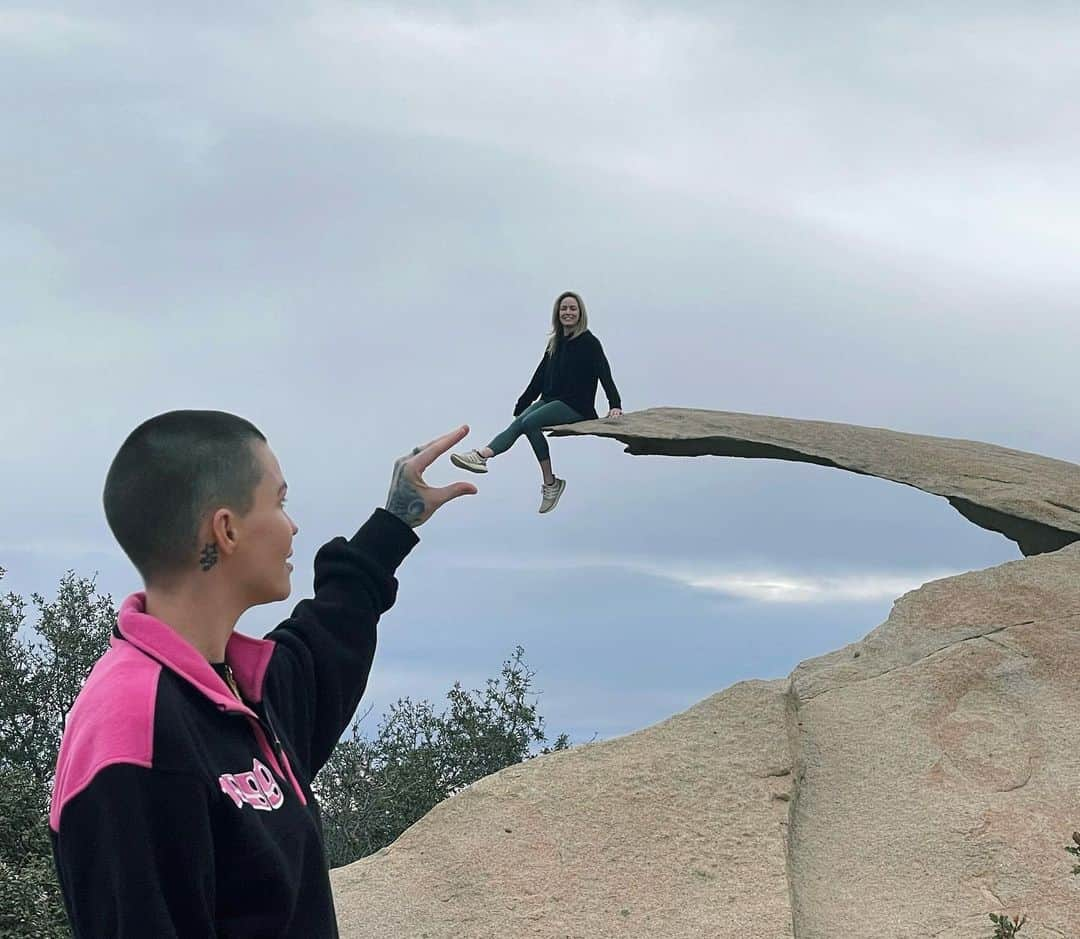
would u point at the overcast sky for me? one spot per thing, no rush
(348, 222)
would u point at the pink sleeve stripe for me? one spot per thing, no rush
(112, 721)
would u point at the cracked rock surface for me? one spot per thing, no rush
(906, 785)
(938, 772)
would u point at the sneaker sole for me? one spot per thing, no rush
(461, 464)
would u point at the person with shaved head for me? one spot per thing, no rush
(182, 804)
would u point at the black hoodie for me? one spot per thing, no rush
(180, 811)
(570, 376)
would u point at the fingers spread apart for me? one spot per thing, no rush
(423, 457)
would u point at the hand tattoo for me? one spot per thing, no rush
(404, 499)
(209, 556)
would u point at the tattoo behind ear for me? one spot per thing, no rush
(209, 556)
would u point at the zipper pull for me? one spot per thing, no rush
(231, 682)
(277, 740)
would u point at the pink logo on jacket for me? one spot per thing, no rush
(258, 788)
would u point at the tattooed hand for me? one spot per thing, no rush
(411, 499)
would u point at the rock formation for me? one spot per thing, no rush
(1031, 499)
(904, 786)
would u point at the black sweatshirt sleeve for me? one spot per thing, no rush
(603, 371)
(536, 385)
(135, 856)
(324, 652)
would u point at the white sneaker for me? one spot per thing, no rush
(471, 461)
(551, 494)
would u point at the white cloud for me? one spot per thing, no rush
(935, 143)
(57, 548)
(48, 31)
(784, 588)
(760, 586)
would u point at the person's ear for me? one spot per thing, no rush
(223, 530)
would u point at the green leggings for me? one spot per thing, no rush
(530, 421)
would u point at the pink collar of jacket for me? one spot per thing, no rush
(247, 657)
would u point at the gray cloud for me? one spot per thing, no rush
(348, 223)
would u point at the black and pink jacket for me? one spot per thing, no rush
(180, 812)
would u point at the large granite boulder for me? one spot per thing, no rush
(906, 785)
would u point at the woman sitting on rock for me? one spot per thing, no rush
(565, 380)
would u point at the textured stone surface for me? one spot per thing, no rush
(937, 764)
(1031, 499)
(906, 785)
(676, 830)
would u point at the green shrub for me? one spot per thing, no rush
(371, 790)
(41, 671)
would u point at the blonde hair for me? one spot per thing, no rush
(556, 327)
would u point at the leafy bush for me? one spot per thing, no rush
(41, 672)
(371, 790)
(1006, 928)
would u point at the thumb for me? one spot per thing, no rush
(453, 491)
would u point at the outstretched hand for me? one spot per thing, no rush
(413, 500)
